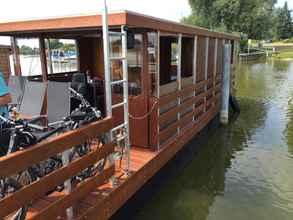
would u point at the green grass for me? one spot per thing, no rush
(286, 54)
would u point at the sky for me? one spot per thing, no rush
(281, 3)
(27, 9)
(12, 10)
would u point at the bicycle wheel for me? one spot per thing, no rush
(11, 186)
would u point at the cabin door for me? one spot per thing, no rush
(138, 91)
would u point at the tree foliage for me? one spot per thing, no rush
(284, 27)
(252, 17)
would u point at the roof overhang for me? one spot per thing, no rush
(94, 22)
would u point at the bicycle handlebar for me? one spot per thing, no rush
(21, 124)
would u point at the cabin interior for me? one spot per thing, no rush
(154, 65)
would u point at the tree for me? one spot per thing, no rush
(251, 17)
(284, 26)
(55, 44)
(25, 50)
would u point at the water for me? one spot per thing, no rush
(245, 170)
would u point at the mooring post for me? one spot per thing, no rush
(224, 115)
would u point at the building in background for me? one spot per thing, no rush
(5, 52)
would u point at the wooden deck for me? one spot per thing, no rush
(139, 158)
(103, 202)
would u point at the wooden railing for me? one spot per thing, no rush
(198, 100)
(22, 160)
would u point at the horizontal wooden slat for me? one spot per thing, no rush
(168, 98)
(52, 147)
(167, 132)
(80, 192)
(167, 116)
(39, 188)
(173, 96)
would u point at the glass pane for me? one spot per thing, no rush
(153, 60)
(134, 58)
(115, 46)
(61, 55)
(29, 55)
(174, 61)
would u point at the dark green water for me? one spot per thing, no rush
(245, 170)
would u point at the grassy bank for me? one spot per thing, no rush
(285, 54)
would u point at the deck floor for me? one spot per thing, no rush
(103, 202)
(139, 158)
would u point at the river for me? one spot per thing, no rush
(244, 170)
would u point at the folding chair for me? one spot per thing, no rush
(58, 101)
(16, 85)
(33, 99)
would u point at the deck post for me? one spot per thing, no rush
(16, 59)
(194, 69)
(158, 87)
(50, 57)
(179, 78)
(67, 183)
(43, 59)
(215, 70)
(206, 70)
(224, 114)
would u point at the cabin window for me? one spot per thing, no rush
(153, 60)
(29, 55)
(134, 60)
(62, 56)
(187, 56)
(211, 58)
(201, 59)
(168, 59)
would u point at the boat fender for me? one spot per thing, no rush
(234, 104)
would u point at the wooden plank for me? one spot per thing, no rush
(167, 132)
(41, 187)
(52, 147)
(180, 94)
(80, 192)
(167, 116)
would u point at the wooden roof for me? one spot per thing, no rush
(92, 22)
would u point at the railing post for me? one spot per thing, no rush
(215, 70)
(194, 71)
(67, 183)
(206, 71)
(179, 80)
(224, 115)
(158, 88)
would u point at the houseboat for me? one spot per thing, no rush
(157, 84)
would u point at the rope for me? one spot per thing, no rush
(145, 115)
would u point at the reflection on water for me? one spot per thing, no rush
(244, 170)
